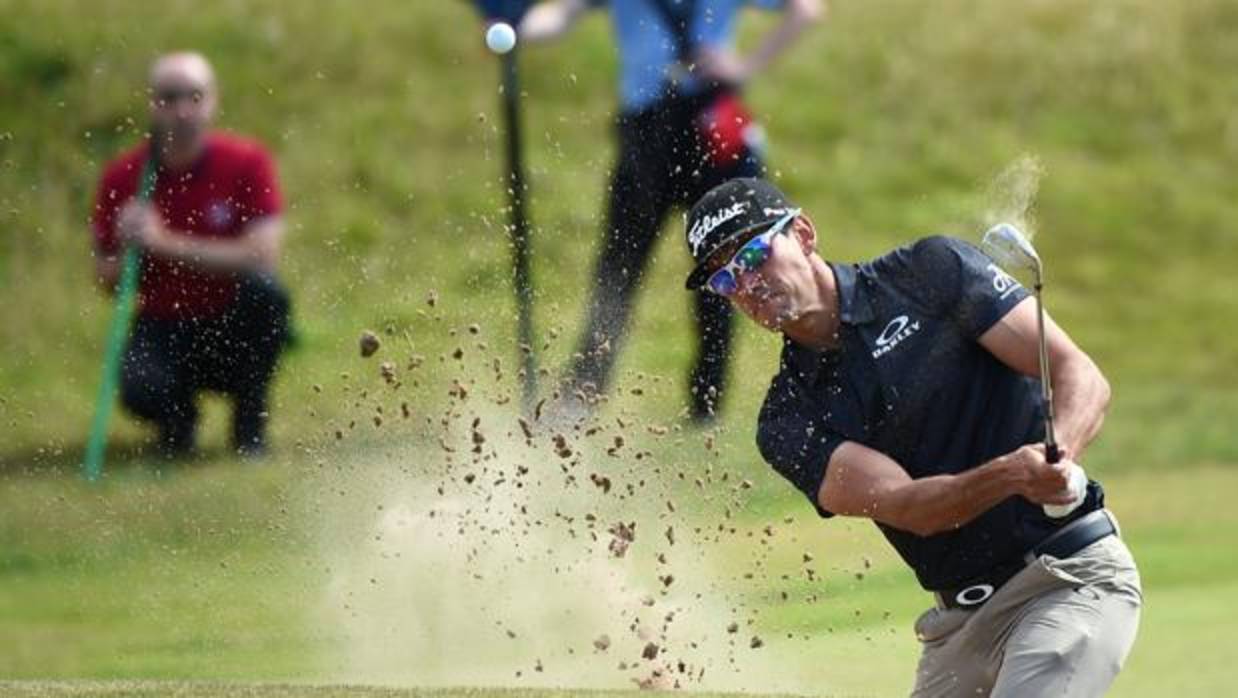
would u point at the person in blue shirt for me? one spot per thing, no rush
(682, 129)
(908, 394)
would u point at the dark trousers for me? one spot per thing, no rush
(168, 362)
(662, 163)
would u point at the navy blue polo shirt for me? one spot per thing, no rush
(911, 380)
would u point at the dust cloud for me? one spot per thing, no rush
(489, 549)
(1011, 196)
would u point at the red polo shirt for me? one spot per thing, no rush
(232, 183)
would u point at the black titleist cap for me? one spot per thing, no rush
(726, 215)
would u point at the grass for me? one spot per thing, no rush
(891, 121)
(888, 122)
(232, 574)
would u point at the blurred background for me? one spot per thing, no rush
(891, 120)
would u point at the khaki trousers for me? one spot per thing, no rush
(1057, 628)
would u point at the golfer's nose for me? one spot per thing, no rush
(747, 281)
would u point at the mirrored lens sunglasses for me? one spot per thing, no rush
(751, 256)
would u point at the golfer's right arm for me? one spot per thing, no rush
(860, 481)
(547, 21)
(1080, 391)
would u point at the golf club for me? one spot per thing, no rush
(1010, 248)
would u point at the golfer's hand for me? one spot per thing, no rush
(723, 66)
(139, 224)
(1038, 480)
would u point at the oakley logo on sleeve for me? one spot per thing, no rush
(1003, 283)
(898, 329)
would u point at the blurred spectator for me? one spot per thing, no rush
(682, 130)
(211, 315)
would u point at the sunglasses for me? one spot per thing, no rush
(750, 257)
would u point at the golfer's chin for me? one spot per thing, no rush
(776, 314)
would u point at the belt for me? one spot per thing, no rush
(1074, 537)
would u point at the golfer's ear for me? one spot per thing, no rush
(805, 232)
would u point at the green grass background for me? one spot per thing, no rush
(889, 121)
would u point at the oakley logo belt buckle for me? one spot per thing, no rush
(974, 595)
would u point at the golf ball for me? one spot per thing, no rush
(500, 37)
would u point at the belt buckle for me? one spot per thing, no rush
(974, 595)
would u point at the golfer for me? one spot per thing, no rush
(682, 129)
(907, 394)
(211, 315)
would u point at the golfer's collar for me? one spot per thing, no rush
(853, 309)
(853, 305)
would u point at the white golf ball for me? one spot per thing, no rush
(500, 37)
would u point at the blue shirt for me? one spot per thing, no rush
(647, 49)
(911, 380)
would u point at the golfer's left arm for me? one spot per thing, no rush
(1080, 391)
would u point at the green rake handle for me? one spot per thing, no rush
(126, 294)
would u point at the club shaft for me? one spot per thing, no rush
(1052, 453)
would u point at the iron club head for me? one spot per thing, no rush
(1010, 248)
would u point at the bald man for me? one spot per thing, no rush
(211, 315)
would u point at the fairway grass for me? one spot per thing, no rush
(217, 574)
